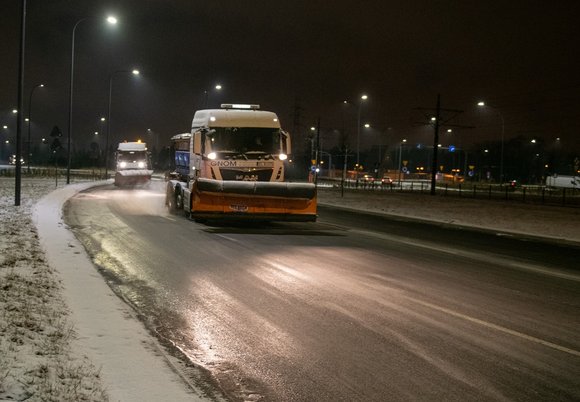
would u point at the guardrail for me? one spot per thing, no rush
(524, 193)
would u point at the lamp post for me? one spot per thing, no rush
(362, 98)
(111, 20)
(482, 104)
(400, 157)
(30, 122)
(217, 87)
(134, 72)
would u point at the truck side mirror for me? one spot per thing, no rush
(197, 143)
(286, 143)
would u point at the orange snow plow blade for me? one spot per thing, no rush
(244, 200)
(132, 177)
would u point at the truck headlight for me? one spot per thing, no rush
(141, 165)
(212, 155)
(123, 164)
(283, 157)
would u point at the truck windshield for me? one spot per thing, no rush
(131, 156)
(245, 140)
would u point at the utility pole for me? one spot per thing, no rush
(435, 145)
(344, 171)
(20, 112)
(439, 122)
(317, 155)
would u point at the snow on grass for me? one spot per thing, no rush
(555, 222)
(37, 362)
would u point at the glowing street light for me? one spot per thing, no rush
(362, 98)
(30, 123)
(112, 21)
(217, 87)
(403, 141)
(134, 72)
(483, 104)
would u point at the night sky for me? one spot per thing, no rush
(301, 60)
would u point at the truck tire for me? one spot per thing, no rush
(179, 200)
(170, 201)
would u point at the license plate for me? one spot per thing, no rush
(239, 208)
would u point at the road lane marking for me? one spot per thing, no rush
(497, 327)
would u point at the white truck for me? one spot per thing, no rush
(231, 166)
(563, 181)
(133, 166)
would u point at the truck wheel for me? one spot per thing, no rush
(171, 204)
(179, 200)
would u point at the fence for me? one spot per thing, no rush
(527, 194)
(59, 174)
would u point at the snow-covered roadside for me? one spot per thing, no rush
(551, 222)
(103, 352)
(37, 362)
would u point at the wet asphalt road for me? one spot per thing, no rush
(351, 308)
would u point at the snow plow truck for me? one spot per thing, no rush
(231, 166)
(133, 166)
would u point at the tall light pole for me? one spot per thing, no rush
(482, 104)
(217, 87)
(401, 157)
(362, 98)
(111, 20)
(20, 117)
(134, 72)
(30, 122)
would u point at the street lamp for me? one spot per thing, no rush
(217, 87)
(483, 104)
(404, 140)
(30, 123)
(362, 98)
(111, 20)
(134, 72)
